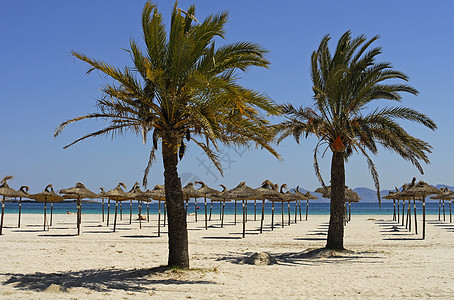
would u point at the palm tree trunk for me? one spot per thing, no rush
(336, 227)
(177, 230)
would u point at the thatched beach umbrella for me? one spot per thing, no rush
(6, 191)
(117, 194)
(48, 195)
(446, 195)
(422, 189)
(399, 195)
(350, 196)
(158, 193)
(218, 198)
(287, 197)
(206, 190)
(139, 195)
(241, 192)
(78, 193)
(391, 196)
(308, 196)
(266, 191)
(22, 193)
(190, 192)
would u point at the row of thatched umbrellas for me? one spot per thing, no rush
(267, 191)
(417, 192)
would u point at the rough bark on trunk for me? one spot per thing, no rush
(336, 227)
(177, 230)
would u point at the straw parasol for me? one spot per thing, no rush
(78, 192)
(48, 195)
(308, 196)
(218, 198)
(400, 195)
(6, 191)
(22, 193)
(190, 192)
(158, 193)
(206, 190)
(117, 194)
(422, 189)
(350, 196)
(140, 196)
(287, 197)
(266, 191)
(244, 193)
(391, 196)
(446, 195)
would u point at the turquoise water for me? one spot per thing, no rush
(315, 208)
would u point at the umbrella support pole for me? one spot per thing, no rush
(20, 211)
(288, 212)
(450, 212)
(255, 210)
(349, 211)
(307, 208)
(148, 211)
(223, 210)
(165, 213)
(51, 213)
(115, 220)
(246, 211)
(272, 215)
(244, 221)
(3, 215)
(206, 215)
(403, 212)
(423, 218)
(211, 208)
(108, 212)
(444, 215)
(130, 212)
(45, 208)
(409, 215)
(195, 209)
(140, 214)
(439, 210)
(159, 219)
(220, 210)
(282, 214)
(235, 212)
(263, 215)
(296, 210)
(300, 209)
(416, 220)
(186, 208)
(398, 213)
(102, 210)
(394, 213)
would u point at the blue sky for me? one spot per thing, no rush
(42, 86)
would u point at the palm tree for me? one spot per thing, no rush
(182, 88)
(342, 118)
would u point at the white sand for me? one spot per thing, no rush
(100, 264)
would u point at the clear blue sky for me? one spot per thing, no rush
(42, 85)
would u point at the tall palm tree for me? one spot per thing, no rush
(345, 85)
(182, 88)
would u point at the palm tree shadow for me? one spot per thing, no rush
(100, 280)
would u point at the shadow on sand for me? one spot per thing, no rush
(101, 280)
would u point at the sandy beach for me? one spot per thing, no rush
(382, 261)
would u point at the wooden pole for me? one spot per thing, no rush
(423, 218)
(394, 214)
(398, 212)
(409, 215)
(206, 215)
(159, 218)
(244, 221)
(121, 211)
(140, 213)
(108, 211)
(211, 208)
(403, 212)
(235, 212)
(45, 208)
(115, 220)
(263, 215)
(288, 212)
(223, 210)
(165, 213)
(296, 210)
(148, 211)
(102, 210)
(130, 212)
(282, 213)
(444, 215)
(51, 212)
(20, 211)
(416, 220)
(300, 209)
(272, 215)
(3, 215)
(450, 213)
(195, 208)
(255, 210)
(307, 208)
(439, 210)
(349, 211)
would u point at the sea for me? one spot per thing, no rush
(315, 208)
